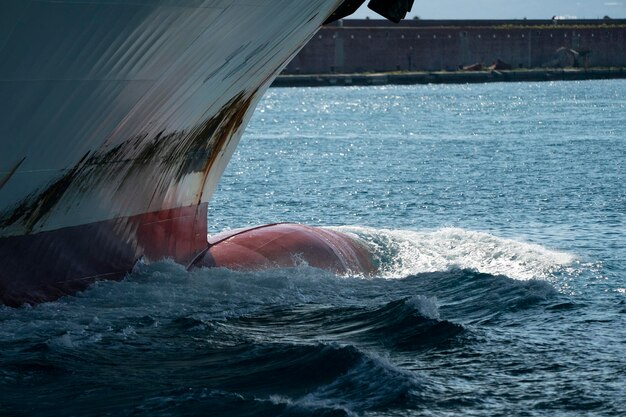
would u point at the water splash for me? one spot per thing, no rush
(404, 252)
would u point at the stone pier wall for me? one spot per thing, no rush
(357, 46)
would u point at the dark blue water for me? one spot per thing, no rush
(498, 213)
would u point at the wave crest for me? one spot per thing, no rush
(402, 253)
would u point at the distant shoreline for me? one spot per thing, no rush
(447, 77)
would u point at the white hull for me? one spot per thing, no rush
(115, 109)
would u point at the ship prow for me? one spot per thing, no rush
(117, 121)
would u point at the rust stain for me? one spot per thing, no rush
(157, 163)
(33, 209)
(232, 123)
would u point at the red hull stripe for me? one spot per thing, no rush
(44, 266)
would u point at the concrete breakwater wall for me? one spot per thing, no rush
(359, 46)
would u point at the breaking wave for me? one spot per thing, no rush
(403, 253)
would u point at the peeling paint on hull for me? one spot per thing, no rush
(116, 112)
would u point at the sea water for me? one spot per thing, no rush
(497, 213)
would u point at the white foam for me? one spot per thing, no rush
(407, 252)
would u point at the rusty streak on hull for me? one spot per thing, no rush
(169, 157)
